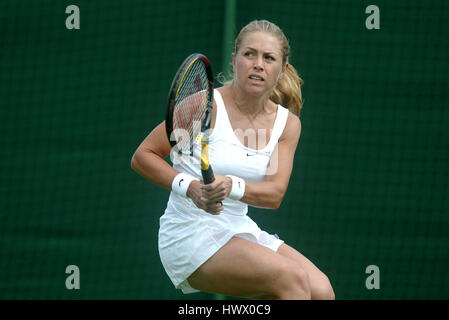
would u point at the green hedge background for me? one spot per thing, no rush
(370, 181)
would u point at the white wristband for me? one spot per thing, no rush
(238, 188)
(181, 183)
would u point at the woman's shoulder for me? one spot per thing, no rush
(223, 90)
(292, 128)
(294, 120)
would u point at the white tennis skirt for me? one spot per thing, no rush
(188, 237)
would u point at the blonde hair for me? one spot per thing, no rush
(288, 90)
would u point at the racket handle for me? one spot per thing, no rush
(208, 175)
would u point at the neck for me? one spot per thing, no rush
(246, 104)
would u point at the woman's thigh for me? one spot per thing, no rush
(240, 268)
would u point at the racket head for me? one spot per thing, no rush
(190, 101)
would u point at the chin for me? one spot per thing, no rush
(257, 90)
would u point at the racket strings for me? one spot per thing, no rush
(190, 103)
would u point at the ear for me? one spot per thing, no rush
(233, 62)
(284, 68)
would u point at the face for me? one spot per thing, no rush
(258, 64)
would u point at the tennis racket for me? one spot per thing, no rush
(189, 109)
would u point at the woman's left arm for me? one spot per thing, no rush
(270, 193)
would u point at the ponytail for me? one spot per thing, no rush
(288, 91)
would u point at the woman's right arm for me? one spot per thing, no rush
(148, 160)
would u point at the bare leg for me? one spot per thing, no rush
(320, 286)
(242, 268)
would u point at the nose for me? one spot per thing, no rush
(258, 64)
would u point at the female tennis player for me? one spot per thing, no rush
(207, 242)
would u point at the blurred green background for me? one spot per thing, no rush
(370, 181)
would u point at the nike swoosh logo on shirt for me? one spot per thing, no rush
(253, 154)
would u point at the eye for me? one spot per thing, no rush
(248, 54)
(270, 58)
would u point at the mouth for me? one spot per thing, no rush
(256, 78)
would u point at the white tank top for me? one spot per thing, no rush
(229, 156)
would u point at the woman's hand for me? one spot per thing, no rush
(208, 197)
(218, 190)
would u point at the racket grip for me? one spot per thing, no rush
(208, 175)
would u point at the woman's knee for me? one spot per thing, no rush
(322, 289)
(294, 283)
